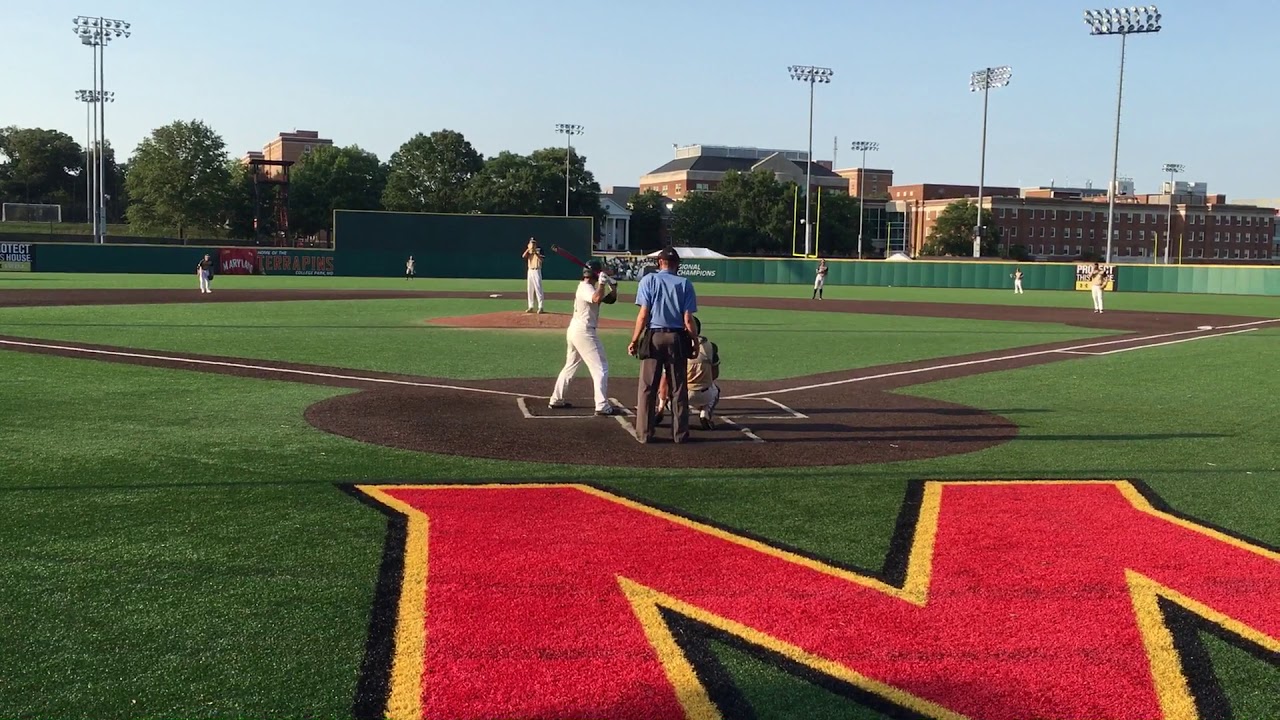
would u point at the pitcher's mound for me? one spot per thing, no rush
(519, 320)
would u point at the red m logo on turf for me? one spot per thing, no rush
(1009, 601)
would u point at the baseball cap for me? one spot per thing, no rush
(669, 254)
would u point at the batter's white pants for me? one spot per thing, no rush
(584, 347)
(204, 281)
(704, 401)
(1097, 298)
(535, 288)
(1017, 287)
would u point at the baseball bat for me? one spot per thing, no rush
(567, 255)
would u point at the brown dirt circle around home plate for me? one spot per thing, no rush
(519, 320)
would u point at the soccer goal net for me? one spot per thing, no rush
(30, 212)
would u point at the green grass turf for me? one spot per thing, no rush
(391, 336)
(174, 545)
(1258, 306)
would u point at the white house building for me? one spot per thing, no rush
(615, 233)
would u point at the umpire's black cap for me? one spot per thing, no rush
(669, 254)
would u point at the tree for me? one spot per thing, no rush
(647, 210)
(333, 178)
(513, 184)
(952, 233)
(836, 224)
(41, 166)
(749, 213)
(179, 178)
(584, 191)
(249, 199)
(430, 173)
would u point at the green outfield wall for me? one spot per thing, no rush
(1232, 280)
(377, 244)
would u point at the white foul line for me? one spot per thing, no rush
(784, 408)
(246, 366)
(1167, 342)
(744, 430)
(984, 361)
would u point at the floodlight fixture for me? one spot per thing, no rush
(813, 75)
(1122, 21)
(863, 146)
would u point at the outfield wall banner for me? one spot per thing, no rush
(16, 257)
(1085, 270)
(284, 261)
(237, 261)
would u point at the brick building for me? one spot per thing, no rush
(288, 147)
(868, 183)
(1061, 224)
(701, 168)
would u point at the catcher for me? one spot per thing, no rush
(584, 342)
(704, 393)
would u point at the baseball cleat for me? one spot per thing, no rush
(608, 412)
(529, 311)
(707, 422)
(558, 405)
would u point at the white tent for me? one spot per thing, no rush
(695, 253)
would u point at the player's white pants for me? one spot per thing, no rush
(204, 281)
(819, 282)
(704, 401)
(535, 288)
(1097, 298)
(1017, 286)
(584, 347)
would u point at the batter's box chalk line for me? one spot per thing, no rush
(523, 404)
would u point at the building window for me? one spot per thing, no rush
(1142, 235)
(664, 188)
(1079, 215)
(1001, 213)
(1053, 232)
(1091, 234)
(1080, 233)
(1013, 213)
(1041, 231)
(1237, 237)
(701, 186)
(1216, 238)
(679, 187)
(1013, 232)
(306, 148)
(1051, 252)
(1236, 254)
(1053, 214)
(1128, 236)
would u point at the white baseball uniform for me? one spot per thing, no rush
(584, 347)
(202, 270)
(1095, 287)
(534, 282)
(821, 278)
(1017, 283)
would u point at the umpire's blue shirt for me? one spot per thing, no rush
(668, 297)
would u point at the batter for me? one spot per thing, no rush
(820, 280)
(533, 261)
(584, 341)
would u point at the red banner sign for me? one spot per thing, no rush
(237, 261)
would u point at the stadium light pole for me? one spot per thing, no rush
(862, 146)
(984, 80)
(1172, 169)
(813, 76)
(97, 33)
(1123, 22)
(569, 131)
(88, 97)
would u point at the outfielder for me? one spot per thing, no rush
(1096, 281)
(533, 260)
(820, 280)
(584, 342)
(408, 268)
(204, 270)
(1017, 281)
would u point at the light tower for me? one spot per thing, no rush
(984, 80)
(813, 76)
(569, 131)
(863, 146)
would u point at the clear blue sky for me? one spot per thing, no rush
(641, 76)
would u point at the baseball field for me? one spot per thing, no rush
(326, 497)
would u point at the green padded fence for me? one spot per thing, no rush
(376, 244)
(1213, 279)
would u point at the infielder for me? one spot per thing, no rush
(820, 280)
(533, 260)
(1096, 280)
(703, 372)
(1017, 281)
(584, 342)
(408, 268)
(204, 270)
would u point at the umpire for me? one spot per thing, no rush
(664, 339)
